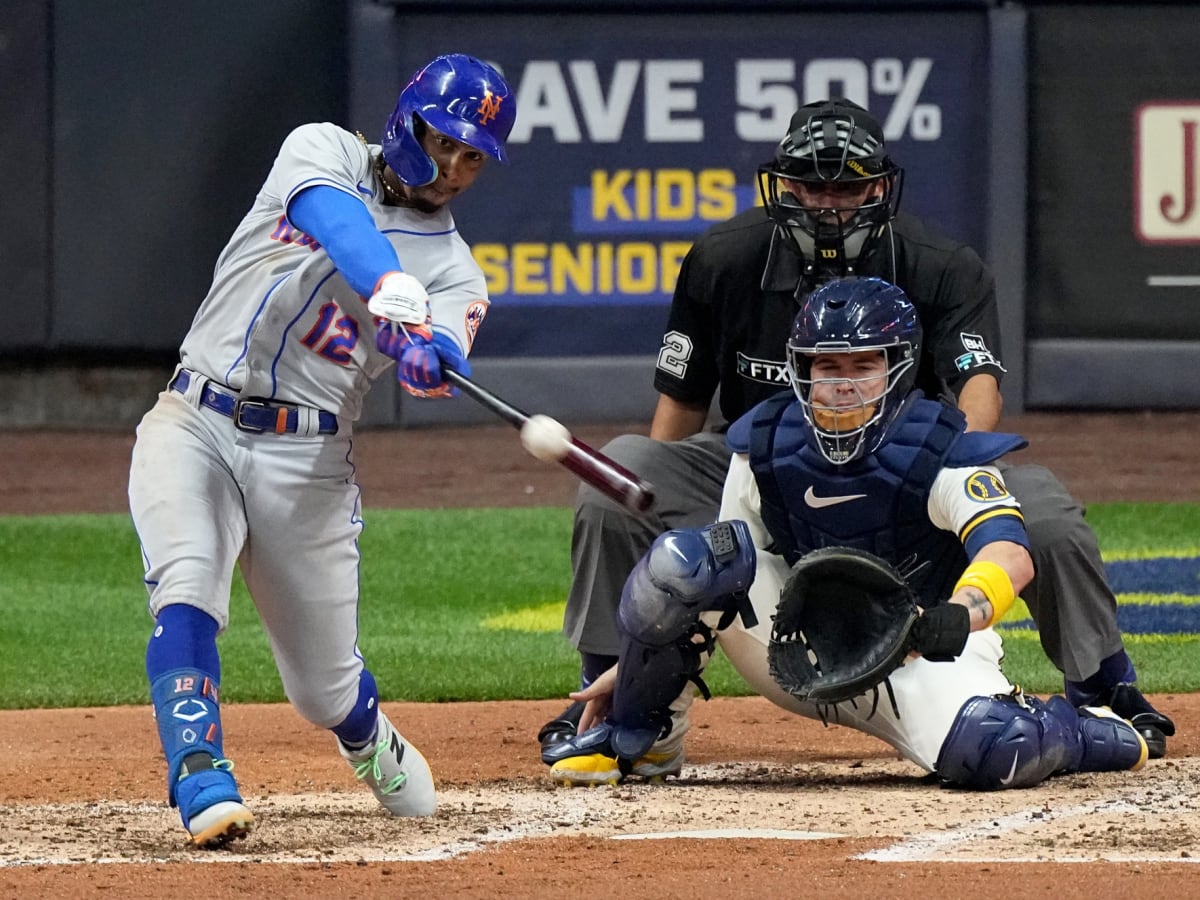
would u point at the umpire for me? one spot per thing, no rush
(830, 208)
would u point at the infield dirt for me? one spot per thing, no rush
(769, 805)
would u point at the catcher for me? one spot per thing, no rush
(866, 546)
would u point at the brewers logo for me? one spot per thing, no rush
(985, 487)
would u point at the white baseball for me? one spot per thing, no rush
(545, 438)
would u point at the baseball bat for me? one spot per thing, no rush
(604, 474)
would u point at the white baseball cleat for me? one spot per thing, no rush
(220, 823)
(395, 771)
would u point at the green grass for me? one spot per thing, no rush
(456, 605)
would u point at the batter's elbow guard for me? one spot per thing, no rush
(684, 573)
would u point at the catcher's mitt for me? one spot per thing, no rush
(843, 625)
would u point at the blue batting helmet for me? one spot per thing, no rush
(458, 95)
(850, 315)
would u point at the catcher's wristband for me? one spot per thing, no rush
(995, 584)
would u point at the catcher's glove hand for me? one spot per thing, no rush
(846, 621)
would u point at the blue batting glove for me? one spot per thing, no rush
(449, 354)
(393, 339)
(420, 360)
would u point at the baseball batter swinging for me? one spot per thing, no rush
(348, 261)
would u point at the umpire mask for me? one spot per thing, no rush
(831, 188)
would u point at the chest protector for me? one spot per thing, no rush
(879, 503)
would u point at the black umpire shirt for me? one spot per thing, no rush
(736, 299)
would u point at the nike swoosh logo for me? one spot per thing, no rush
(364, 190)
(821, 502)
(1007, 779)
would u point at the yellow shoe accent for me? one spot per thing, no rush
(596, 768)
(586, 771)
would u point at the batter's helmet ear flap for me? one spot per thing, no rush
(403, 152)
(458, 95)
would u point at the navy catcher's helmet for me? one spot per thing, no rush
(460, 96)
(848, 315)
(832, 141)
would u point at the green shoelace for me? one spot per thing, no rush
(369, 768)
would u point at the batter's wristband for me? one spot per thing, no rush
(387, 274)
(995, 584)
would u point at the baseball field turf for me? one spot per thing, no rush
(470, 608)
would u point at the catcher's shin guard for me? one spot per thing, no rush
(649, 680)
(1015, 741)
(663, 643)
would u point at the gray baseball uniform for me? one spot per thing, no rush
(281, 325)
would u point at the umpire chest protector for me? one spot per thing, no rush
(879, 503)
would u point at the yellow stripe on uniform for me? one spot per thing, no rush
(985, 516)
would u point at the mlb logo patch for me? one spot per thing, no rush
(1166, 172)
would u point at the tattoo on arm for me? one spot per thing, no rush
(977, 605)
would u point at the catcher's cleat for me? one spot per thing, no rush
(1129, 703)
(209, 803)
(596, 768)
(562, 728)
(1109, 743)
(395, 771)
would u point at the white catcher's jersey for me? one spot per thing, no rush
(280, 322)
(928, 694)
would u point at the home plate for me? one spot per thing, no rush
(759, 834)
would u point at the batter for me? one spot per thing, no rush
(347, 262)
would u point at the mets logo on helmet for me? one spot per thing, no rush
(489, 107)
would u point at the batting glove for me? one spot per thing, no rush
(420, 360)
(400, 298)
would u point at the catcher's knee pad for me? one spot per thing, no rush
(685, 572)
(1007, 741)
(188, 717)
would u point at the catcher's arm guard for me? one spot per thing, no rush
(843, 624)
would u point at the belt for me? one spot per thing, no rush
(254, 415)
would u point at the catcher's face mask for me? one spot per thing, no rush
(849, 396)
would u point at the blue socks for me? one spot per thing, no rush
(184, 638)
(358, 728)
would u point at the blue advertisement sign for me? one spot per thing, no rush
(635, 133)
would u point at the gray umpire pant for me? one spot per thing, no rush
(1069, 598)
